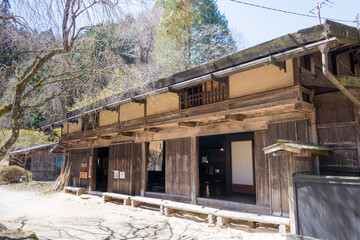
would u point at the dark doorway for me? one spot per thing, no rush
(216, 170)
(212, 166)
(102, 167)
(156, 167)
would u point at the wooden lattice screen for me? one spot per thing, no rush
(205, 93)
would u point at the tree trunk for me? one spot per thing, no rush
(14, 121)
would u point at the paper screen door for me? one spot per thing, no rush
(242, 167)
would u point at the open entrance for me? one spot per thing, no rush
(226, 167)
(102, 167)
(156, 167)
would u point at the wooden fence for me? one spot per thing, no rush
(327, 207)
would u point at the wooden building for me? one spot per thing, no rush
(44, 161)
(198, 136)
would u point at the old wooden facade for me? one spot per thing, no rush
(208, 126)
(44, 161)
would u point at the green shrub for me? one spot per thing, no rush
(13, 174)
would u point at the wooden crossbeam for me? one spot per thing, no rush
(187, 124)
(127, 134)
(235, 117)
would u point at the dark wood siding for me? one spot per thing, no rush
(337, 129)
(76, 157)
(178, 162)
(261, 168)
(298, 131)
(43, 166)
(327, 207)
(120, 159)
(137, 168)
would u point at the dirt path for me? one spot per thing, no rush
(65, 216)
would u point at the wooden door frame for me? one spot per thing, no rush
(248, 136)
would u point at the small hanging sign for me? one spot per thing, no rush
(116, 174)
(83, 174)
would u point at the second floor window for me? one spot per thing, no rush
(205, 93)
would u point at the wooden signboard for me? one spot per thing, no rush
(83, 174)
(83, 165)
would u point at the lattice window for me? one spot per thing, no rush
(205, 93)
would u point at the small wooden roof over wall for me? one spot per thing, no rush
(297, 148)
(293, 149)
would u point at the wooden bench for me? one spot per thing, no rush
(224, 216)
(137, 200)
(77, 190)
(109, 196)
(169, 206)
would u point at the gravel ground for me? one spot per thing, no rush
(66, 216)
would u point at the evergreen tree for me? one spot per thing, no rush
(190, 33)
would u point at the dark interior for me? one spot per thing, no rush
(102, 166)
(156, 179)
(212, 169)
(212, 166)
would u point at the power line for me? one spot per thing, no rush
(289, 12)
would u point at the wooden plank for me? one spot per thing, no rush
(194, 169)
(261, 168)
(137, 168)
(274, 169)
(144, 172)
(283, 133)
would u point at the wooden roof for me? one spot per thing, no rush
(329, 29)
(296, 147)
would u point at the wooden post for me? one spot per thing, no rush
(194, 169)
(144, 172)
(290, 170)
(131, 172)
(317, 165)
(91, 177)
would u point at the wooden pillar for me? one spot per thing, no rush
(64, 161)
(290, 162)
(194, 169)
(131, 172)
(91, 177)
(228, 164)
(144, 171)
(357, 125)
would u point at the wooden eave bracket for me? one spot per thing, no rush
(281, 64)
(112, 108)
(139, 101)
(75, 120)
(216, 79)
(172, 90)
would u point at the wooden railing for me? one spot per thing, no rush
(199, 95)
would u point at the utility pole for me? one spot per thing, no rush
(318, 11)
(357, 21)
(318, 6)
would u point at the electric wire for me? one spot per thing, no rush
(289, 12)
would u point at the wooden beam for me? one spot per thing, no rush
(152, 129)
(235, 117)
(126, 134)
(187, 124)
